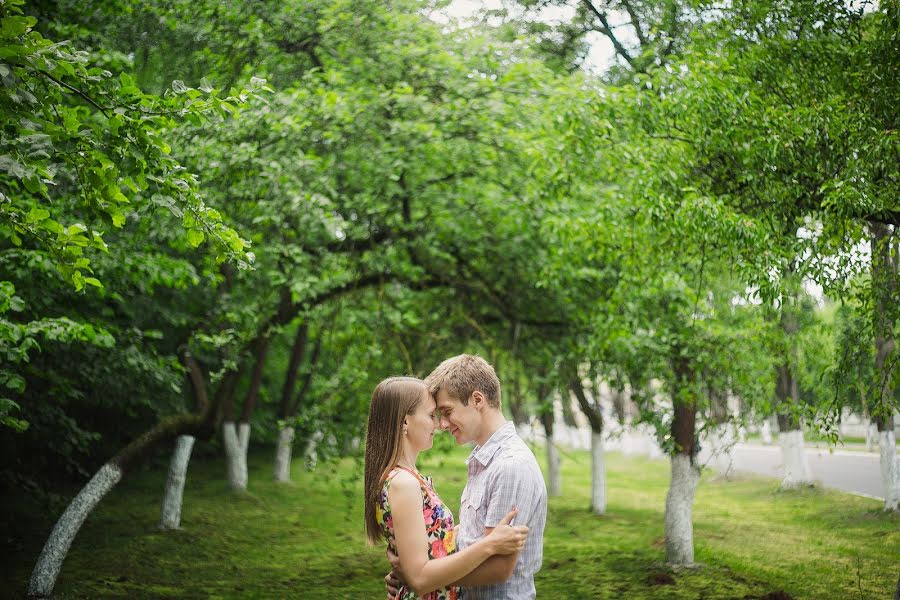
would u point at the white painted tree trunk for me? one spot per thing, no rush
(766, 432)
(796, 465)
(890, 470)
(598, 480)
(679, 508)
(283, 454)
(50, 561)
(311, 454)
(555, 488)
(721, 442)
(236, 440)
(871, 432)
(172, 499)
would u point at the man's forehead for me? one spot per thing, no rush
(444, 399)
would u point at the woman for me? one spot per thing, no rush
(402, 506)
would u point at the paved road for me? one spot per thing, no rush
(856, 472)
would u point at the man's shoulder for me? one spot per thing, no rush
(514, 449)
(517, 460)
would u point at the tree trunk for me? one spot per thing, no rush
(866, 419)
(284, 449)
(679, 509)
(554, 487)
(311, 454)
(57, 546)
(793, 452)
(172, 499)
(766, 432)
(885, 276)
(594, 416)
(236, 438)
(685, 473)
(283, 454)
(890, 464)
(43, 578)
(598, 475)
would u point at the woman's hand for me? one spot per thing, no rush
(506, 538)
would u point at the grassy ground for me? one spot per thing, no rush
(304, 540)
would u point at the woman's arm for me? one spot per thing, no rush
(496, 569)
(424, 575)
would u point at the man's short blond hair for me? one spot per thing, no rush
(464, 374)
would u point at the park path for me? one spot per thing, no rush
(854, 471)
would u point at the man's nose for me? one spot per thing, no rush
(445, 423)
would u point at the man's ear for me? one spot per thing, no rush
(478, 398)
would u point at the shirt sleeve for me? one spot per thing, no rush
(514, 484)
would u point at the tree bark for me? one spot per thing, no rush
(890, 464)
(172, 499)
(679, 511)
(235, 439)
(598, 463)
(787, 390)
(885, 284)
(282, 470)
(598, 475)
(685, 473)
(553, 461)
(46, 571)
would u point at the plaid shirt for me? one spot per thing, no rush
(504, 473)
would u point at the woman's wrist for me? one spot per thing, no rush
(490, 546)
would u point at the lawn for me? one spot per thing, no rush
(305, 539)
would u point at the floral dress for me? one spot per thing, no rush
(438, 526)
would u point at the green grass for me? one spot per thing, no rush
(305, 540)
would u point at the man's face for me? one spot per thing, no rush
(462, 421)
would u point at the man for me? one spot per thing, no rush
(502, 473)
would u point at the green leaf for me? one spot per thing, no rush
(36, 215)
(195, 237)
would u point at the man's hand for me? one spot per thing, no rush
(391, 585)
(392, 580)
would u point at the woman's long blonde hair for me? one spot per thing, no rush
(393, 399)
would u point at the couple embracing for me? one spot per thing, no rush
(496, 547)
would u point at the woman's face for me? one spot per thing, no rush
(421, 424)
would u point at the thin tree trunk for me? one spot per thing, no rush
(598, 475)
(236, 437)
(885, 284)
(866, 418)
(172, 499)
(598, 464)
(284, 448)
(793, 450)
(766, 432)
(311, 454)
(890, 464)
(282, 470)
(553, 461)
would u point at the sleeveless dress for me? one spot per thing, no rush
(438, 526)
